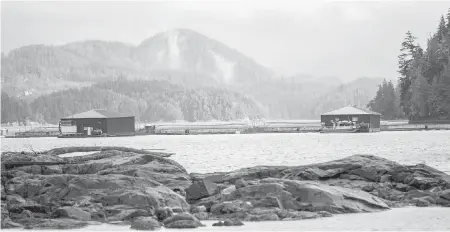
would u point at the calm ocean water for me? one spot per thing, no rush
(208, 153)
(404, 219)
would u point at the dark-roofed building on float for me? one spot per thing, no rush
(99, 122)
(351, 115)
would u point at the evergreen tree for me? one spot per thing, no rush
(420, 95)
(448, 20)
(424, 82)
(389, 101)
(385, 101)
(375, 104)
(409, 52)
(442, 30)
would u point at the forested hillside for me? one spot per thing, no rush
(424, 82)
(147, 100)
(14, 109)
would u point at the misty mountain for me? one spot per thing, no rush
(192, 52)
(181, 57)
(358, 92)
(184, 56)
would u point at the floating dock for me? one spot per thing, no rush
(186, 129)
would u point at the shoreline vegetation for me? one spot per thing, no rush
(423, 89)
(147, 190)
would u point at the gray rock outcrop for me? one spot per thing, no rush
(147, 190)
(114, 184)
(359, 183)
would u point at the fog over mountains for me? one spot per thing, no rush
(184, 58)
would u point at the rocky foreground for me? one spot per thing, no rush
(148, 190)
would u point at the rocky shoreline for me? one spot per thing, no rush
(148, 190)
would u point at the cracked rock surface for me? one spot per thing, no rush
(148, 190)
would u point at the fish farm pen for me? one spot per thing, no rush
(228, 128)
(187, 129)
(35, 132)
(415, 127)
(219, 128)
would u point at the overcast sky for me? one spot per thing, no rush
(321, 38)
